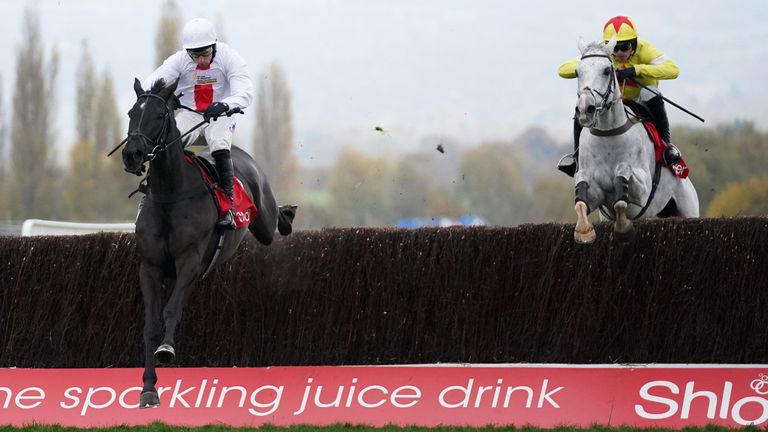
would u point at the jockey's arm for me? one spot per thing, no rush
(653, 64)
(169, 71)
(568, 69)
(240, 84)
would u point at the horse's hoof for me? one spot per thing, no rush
(584, 231)
(585, 237)
(149, 399)
(623, 228)
(165, 354)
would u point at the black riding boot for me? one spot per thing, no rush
(659, 113)
(567, 163)
(226, 181)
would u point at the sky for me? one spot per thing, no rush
(468, 70)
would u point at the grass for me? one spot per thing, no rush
(160, 427)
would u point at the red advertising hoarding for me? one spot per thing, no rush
(671, 396)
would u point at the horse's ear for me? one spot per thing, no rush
(582, 45)
(169, 89)
(137, 87)
(610, 45)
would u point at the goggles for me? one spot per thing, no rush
(200, 52)
(622, 46)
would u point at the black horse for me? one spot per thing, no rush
(175, 229)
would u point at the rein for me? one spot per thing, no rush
(163, 132)
(228, 114)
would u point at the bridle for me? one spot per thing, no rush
(158, 144)
(605, 97)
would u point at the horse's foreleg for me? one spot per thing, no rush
(584, 231)
(188, 270)
(151, 289)
(622, 226)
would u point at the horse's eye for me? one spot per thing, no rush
(606, 71)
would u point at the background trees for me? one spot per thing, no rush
(508, 181)
(273, 139)
(168, 34)
(33, 186)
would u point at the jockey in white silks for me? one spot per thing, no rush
(213, 79)
(635, 60)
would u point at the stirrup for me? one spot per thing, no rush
(567, 164)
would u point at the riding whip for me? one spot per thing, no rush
(662, 96)
(229, 113)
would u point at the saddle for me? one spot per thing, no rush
(640, 110)
(245, 210)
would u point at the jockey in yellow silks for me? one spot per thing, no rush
(638, 60)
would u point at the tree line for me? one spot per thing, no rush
(507, 182)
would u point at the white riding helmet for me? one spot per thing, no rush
(198, 33)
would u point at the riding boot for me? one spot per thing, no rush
(567, 163)
(226, 181)
(671, 153)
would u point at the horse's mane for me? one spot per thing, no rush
(595, 46)
(158, 85)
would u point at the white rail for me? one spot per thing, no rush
(35, 227)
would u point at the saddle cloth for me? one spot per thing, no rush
(245, 210)
(679, 168)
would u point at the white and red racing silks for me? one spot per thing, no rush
(226, 80)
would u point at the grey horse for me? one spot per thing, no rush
(617, 161)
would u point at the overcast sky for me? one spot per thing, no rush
(468, 69)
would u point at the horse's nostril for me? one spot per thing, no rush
(137, 155)
(591, 109)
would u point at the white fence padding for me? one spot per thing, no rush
(35, 227)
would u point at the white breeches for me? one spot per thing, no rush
(218, 134)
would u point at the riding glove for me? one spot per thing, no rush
(622, 74)
(215, 110)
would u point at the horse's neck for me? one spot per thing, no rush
(612, 118)
(169, 173)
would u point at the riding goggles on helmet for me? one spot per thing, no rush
(622, 46)
(200, 52)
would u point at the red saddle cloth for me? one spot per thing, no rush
(245, 209)
(679, 168)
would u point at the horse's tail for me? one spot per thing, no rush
(285, 216)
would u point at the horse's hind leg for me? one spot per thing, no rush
(687, 199)
(151, 289)
(285, 216)
(261, 231)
